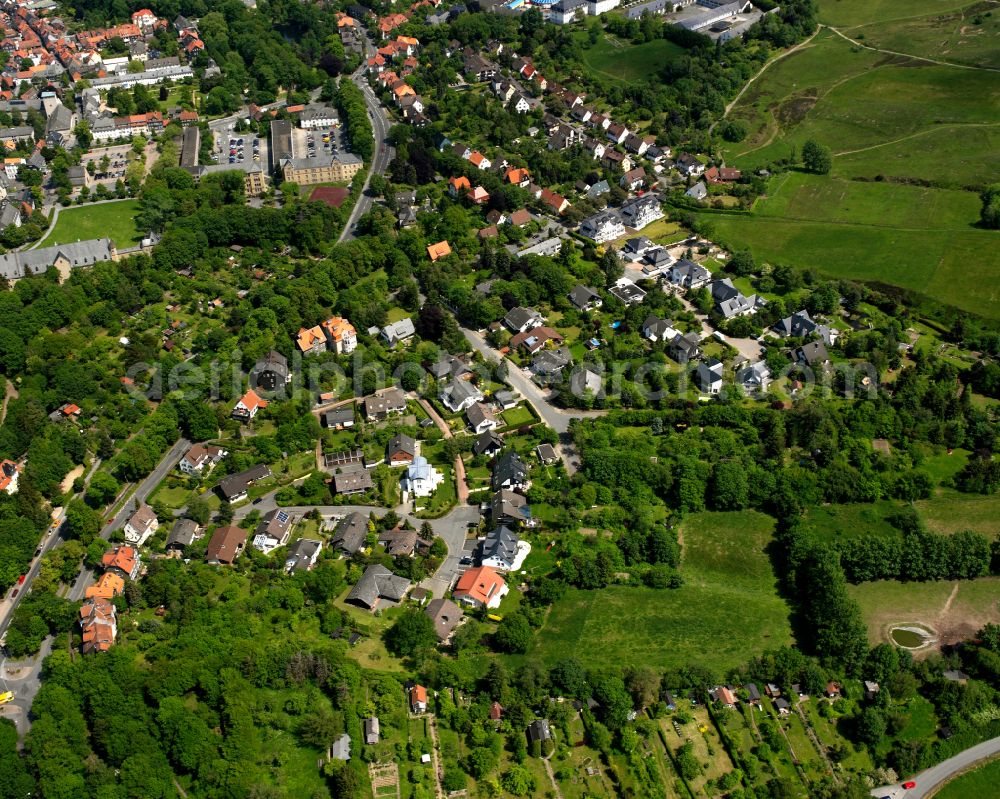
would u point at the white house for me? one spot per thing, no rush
(459, 395)
(606, 226)
(642, 211)
(273, 531)
(199, 457)
(709, 376)
(421, 479)
(141, 525)
(9, 474)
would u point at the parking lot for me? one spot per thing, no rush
(117, 156)
(237, 148)
(312, 143)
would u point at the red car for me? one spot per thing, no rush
(910, 784)
(20, 580)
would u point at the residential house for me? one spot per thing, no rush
(627, 291)
(9, 475)
(402, 543)
(602, 227)
(341, 337)
(271, 373)
(540, 737)
(487, 443)
(481, 587)
(688, 165)
(396, 332)
(98, 625)
(615, 161)
(813, 355)
(520, 218)
(658, 330)
(709, 376)
(438, 251)
(871, 689)
(546, 453)
(642, 211)
(730, 302)
(340, 749)
(685, 274)
(685, 348)
(753, 695)
(520, 319)
(479, 161)
(247, 407)
(480, 418)
(226, 545)
(459, 395)
(833, 690)
(384, 403)
(182, 535)
(448, 366)
(657, 261)
(141, 525)
(754, 377)
(510, 472)
(350, 533)
(699, 192)
(108, 586)
(509, 508)
(555, 202)
(722, 174)
(616, 133)
(418, 699)
(350, 480)
(499, 550)
(782, 706)
(585, 380)
(377, 586)
(535, 339)
(340, 418)
(459, 186)
(235, 487)
(585, 298)
(723, 695)
(400, 450)
(124, 561)
(199, 458)
(638, 246)
(548, 364)
(446, 616)
(421, 479)
(634, 179)
(273, 531)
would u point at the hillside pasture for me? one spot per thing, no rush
(624, 62)
(726, 611)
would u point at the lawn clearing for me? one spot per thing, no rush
(954, 609)
(114, 220)
(726, 611)
(949, 511)
(983, 782)
(515, 417)
(841, 522)
(623, 61)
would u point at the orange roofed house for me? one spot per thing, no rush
(481, 587)
(248, 406)
(123, 561)
(439, 250)
(99, 625)
(458, 186)
(341, 337)
(108, 586)
(418, 699)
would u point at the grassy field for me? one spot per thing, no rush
(623, 61)
(954, 609)
(115, 220)
(875, 232)
(725, 612)
(841, 522)
(983, 783)
(950, 511)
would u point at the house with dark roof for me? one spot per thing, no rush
(813, 355)
(487, 443)
(499, 549)
(400, 450)
(458, 395)
(446, 616)
(731, 302)
(520, 319)
(510, 509)
(271, 372)
(378, 586)
(235, 488)
(182, 535)
(510, 472)
(685, 274)
(548, 364)
(480, 418)
(226, 545)
(350, 533)
(585, 298)
(708, 375)
(685, 348)
(302, 555)
(273, 530)
(350, 480)
(540, 737)
(383, 403)
(339, 418)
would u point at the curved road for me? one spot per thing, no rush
(933, 778)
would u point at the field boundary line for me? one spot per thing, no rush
(856, 43)
(963, 7)
(917, 134)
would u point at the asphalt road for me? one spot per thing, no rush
(383, 154)
(930, 780)
(556, 418)
(452, 527)
(24, 677)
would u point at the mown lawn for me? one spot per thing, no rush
(949, 511)
(726, 611)
(839, 522)
(515, 417)
(983, 782)
(115, 221)
(621, 60)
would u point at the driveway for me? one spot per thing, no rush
(930, 780)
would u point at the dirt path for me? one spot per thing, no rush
(947, 604)
(435, 756)
(937, 61)
(77, 471)
(816, 744)
(917, 135)
(552, 778)
(736, 99)
(10, 394)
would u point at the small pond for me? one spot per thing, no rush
(911, 636)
